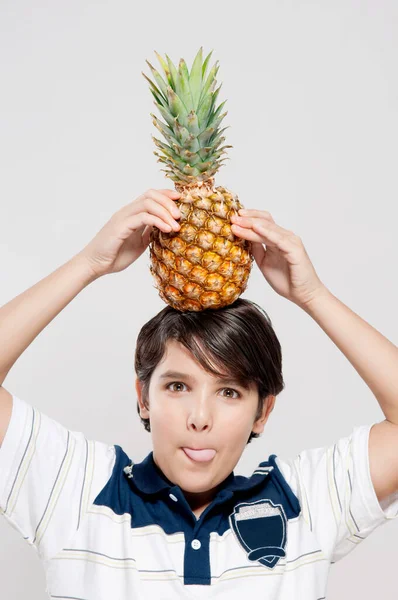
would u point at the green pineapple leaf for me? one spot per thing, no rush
(183, 83)
(191, 143)
(221, 151)
(159, 80)
(195, 78)
(169, 154)
(205, 165)
(214, 97)
(177, 177)
(204, 112)
(211, 77)
(217, 141)
(216, 120)
(166, 114)
(164, 129)
(173, 74)
(188, 170)
(169, 138)
(204, 68)
(215, 113)
(158, 100)
(177, 107)
(218, 133)
(193, 123)
(205, 136)
(165, 69)
(204, 153)
(181, 132)
(190, 157)
(165, 148)
(155, 90)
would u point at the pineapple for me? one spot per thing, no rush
(203, 264)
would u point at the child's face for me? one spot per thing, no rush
(196, 411)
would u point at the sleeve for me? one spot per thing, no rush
(336, 493)
(49, 476)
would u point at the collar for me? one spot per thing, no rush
(148, 478)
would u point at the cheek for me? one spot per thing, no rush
(236, 426)
(236, 417)
(165, 420)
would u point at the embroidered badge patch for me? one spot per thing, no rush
(261, 529)
(128, 470)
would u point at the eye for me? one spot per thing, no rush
(173, 383)
(232, 390)
(180, 383)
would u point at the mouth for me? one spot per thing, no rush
(205, 455)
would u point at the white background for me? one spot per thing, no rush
(312, 92)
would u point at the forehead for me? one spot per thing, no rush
(178, 362)
(177, 355)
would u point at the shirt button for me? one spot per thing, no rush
(173, 497)
(196, 544)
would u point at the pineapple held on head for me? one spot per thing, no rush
(203, 265)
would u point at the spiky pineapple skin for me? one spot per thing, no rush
(204, 265)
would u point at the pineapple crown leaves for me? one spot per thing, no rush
(187, 102)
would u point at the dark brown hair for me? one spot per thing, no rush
(239, 339)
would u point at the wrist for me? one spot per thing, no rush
(82, 265)
(317, 299)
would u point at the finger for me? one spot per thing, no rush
(153, 207)
(248, 234)
(263, 214)
(171, 193)
(138, 221)
(164, 200)
(134, 207)
(264, 234)
(275, 236)
(250, 221)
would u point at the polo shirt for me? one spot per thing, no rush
(107, 528)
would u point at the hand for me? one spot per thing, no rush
(127, 234)
(284, 263)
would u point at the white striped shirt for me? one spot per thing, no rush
(106, 528)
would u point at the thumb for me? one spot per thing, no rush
(258, 253)
(146, 235)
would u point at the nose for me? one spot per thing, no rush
(199, 418)
(198, 426)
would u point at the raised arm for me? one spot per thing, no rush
(24, 317)
(116, 246)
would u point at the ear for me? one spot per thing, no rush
(144, 412)
(268, 407)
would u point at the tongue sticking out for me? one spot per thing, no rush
(200, 455)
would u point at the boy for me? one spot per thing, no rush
(180, 524)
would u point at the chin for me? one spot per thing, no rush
(197, 484)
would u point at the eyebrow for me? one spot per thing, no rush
(227, 379)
